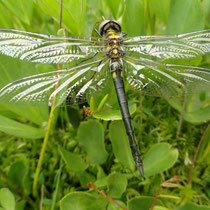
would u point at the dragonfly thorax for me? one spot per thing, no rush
(110, 30)
(114, 48)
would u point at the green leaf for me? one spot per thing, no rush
(7, 199)
(206, 9)
(85, 178)
(120, 144)
(18, 172)
(142, 203)
(82, 201)
(159, 158)
(204, 150)
(196, 110)
(113, 114)
(116, 184)
(192, 206)
(20, 205)
(22, 9)
(185, 16)
(116, 7)
(5, 19)
(160, 208)
(10, 70)
(74, 117)
(161, 9)
(21, 130)
(113, 206)
(73, 161)
(73, 14)
(133, 10)
(91, 137)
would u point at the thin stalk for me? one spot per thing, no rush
(42, 198)
(60, 18)
(44, 146)
(47, 134)
(57, 186)
(181, 115)
(141, 117)
(196, 153)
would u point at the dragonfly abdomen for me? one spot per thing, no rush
(116, 67)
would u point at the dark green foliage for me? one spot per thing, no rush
(84, 149)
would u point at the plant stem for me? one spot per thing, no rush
(196, 153)
(44, 145)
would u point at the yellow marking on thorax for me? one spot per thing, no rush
(122, 74)
(112, 34)
(114, 75)
(115, 51)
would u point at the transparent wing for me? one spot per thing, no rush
(167, 80)
(69, 86)
(42, 48)
(183, 46)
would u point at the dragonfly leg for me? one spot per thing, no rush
(97, 30)
(124, 34)
(90, 57)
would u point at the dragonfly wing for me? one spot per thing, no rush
(167, 80)
(183, 46)
(40, 48)
(68, 85)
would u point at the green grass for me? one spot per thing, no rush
(83, 149)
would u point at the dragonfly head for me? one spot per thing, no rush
(107, 25)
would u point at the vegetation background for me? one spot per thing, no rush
(82, 149)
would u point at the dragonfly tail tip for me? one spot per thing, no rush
(141, 170)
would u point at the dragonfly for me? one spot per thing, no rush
(111, 58)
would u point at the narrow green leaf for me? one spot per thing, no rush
(102, 103)
(133, 9)
(7, 199)
(91, 137)
(116, 7)
(18, 172)
(185, 16)
(5, 19)
(159, 158)
(22, 9)
(73, 161)
(206, 9)
(204, 150)
(116, 184)
(120, 144)
(161, 9)
(113, 114)
(21, 130)
(73, 17)
(82, 201)
(92, 104)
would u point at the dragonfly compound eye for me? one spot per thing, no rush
(109, 24)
